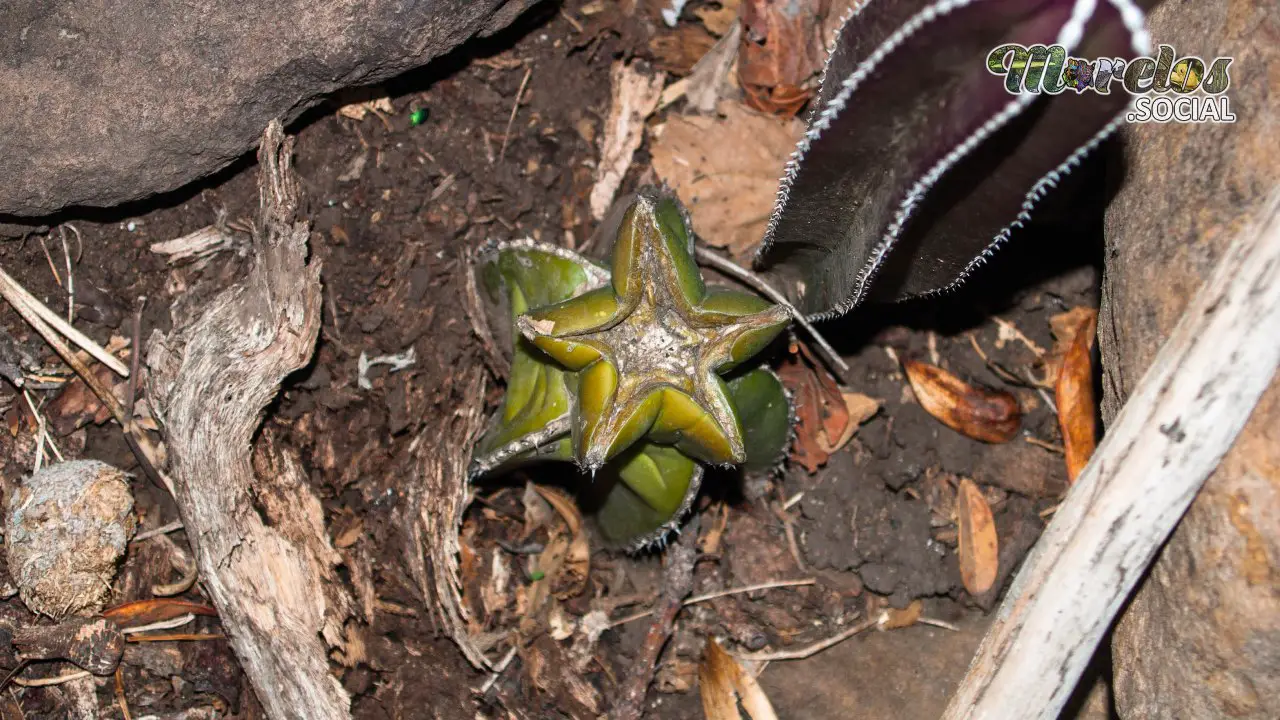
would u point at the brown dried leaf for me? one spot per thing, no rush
(988, 415)
(783, 42)
(979, 549)
(821, 412)
(145, 612)
(1065, 326)
(893, 618)
(676, 51)
(726, 170)
(859, 409)
(723, 682)
(563, 505)
(1077, 406)
(718, 20)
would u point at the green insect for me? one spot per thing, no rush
(418, 116)
(637, 371)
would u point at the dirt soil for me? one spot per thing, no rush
(395, 200)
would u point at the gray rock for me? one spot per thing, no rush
(1201, 638)
(108, 102)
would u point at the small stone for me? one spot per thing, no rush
(67, 527)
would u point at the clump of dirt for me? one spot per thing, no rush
(396, 199)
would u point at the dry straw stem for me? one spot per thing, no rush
(34, 311)
(1176, 426)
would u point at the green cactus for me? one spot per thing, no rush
(619, 370)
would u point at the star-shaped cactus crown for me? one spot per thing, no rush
(588, 342)
(650, 347)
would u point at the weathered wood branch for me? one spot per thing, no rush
(1178, 423)
(275, 585)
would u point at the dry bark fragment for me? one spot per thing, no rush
(275, 586)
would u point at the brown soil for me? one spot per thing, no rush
(394, 206)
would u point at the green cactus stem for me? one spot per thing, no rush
(650, 346)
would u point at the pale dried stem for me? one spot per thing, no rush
(1176, 426)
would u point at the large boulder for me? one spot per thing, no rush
(107, 102)
(1201, 638)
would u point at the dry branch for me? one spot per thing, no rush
(275, 585)
(1179, 422)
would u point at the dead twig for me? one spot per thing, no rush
(34, 311)
(515, 107)
(677, 583)
(719, 594)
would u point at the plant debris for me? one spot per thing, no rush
(978, 545)
(987, 415)
(1074, 396)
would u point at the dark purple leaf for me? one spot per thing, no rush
(918, 163)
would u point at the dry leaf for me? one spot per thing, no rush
(978, 547)
(1074, 395)
(782, 43)
(859, 408)
(719, 20)
(723, 682)
(988, 415)
(893, 618)
(537, 511)
(635, 97)
(357, 110)
(564, 505)
(726, 170)
(821, 411)
(677, 51)
(494, 595)
(1064, 326)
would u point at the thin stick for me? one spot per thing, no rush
(176, 637)
(161, 625)
(124, 704)
(719, 594)
(55, 680)
(1179, 422)
(515, 107)
(28, 307)
(138, 443)
(497, 671)
(71, 278)
(815, 648)
(758, 284)
(162, 530)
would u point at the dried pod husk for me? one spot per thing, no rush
(987, 415)
(66, 530)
